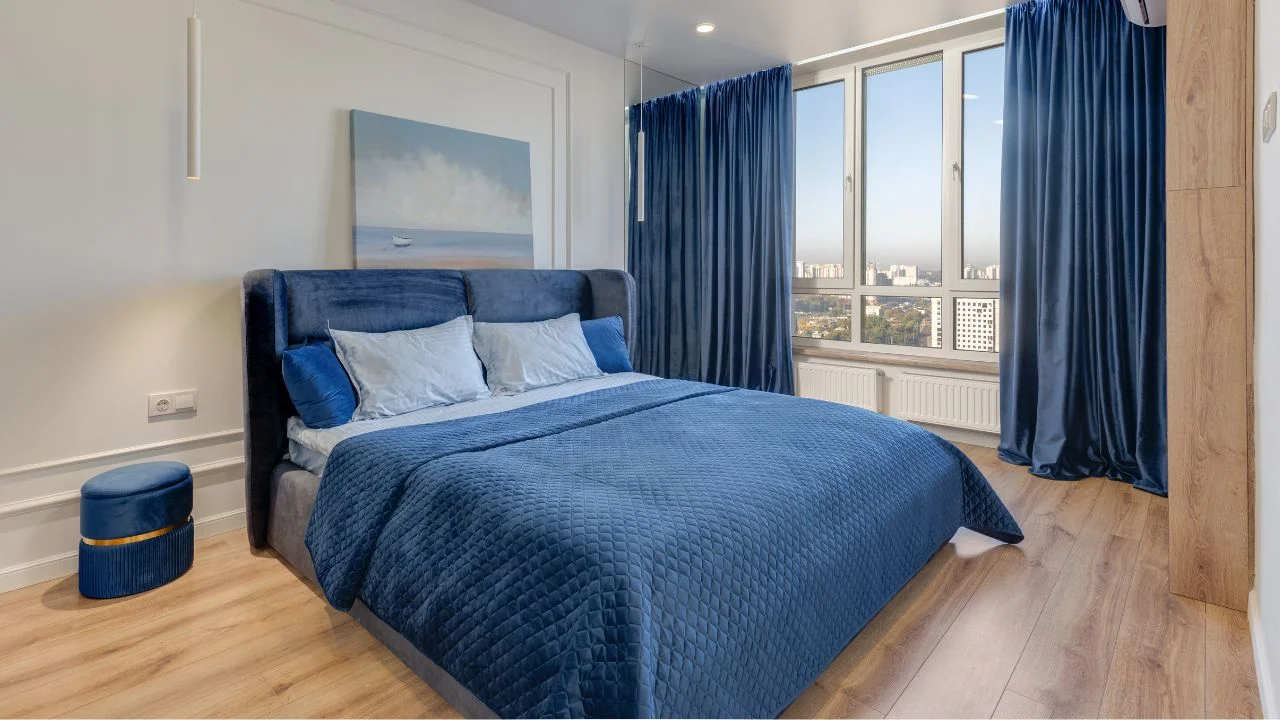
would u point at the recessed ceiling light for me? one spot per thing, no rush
(705, 28)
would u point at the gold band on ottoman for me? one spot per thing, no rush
(136, 538)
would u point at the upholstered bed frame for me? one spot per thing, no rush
(286, 308)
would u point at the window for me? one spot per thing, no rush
(901, 181)
(824, 317)
(983, 138)
(902, 320)
(978, 324)
(898, 202)
(820, 187)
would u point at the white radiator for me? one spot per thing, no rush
(839, 383)
(950, 401)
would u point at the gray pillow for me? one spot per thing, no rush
(405, 370)
(524, 356)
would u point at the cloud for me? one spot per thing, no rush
(429, 191)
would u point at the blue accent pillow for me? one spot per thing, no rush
(607, 343)
(318, 386)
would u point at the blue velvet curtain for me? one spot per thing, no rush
(749, 224)
(664, 252)
(712, 259)
(1082, 365)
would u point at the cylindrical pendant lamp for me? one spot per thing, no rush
(195, 82)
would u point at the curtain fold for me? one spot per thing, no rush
(749, 222)
(664, 252)
(1082, 363)
(712, 261)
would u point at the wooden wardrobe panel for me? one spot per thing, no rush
(1209, 95)
(1208, 347)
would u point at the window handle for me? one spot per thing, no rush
(848, 183)
(955, 170)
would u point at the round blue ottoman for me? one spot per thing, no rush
(135, 527)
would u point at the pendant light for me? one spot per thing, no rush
(195, 86)
(640, 192)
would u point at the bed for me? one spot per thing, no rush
(624, 546)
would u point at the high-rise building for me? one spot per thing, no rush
(970, 272)
(875, 277)
(904, 275)
(976, 324)
(819, 271)
(993, 272)
(935, 322)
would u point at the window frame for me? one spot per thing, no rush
(831, 283)
(854, 283)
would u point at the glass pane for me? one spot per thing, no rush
(902, 175)
(820, 181)
(983, 138)
(978, 324)
(896, 320)
(826, 317)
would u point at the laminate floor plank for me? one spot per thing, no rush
(1160, 648)
(996, 622)
(1066, 661)
(1018, 707)
(822, 702)
(1230, 688)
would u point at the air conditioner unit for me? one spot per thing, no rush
(1147, 13)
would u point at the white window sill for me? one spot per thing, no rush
(932, 363)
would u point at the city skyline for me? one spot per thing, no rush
(899, 275)
(898, 320)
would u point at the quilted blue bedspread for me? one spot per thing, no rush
(664, 548)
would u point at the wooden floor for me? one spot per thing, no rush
(1076, 621)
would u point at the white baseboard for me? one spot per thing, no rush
(58, 566)
(1261, 663)
(964, 435)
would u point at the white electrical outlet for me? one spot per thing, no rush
(171, 403)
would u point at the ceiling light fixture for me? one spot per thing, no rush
(705, 27)
(970, 96)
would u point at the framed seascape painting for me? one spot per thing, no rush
(430, 196)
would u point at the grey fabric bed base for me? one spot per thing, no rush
(293, 493)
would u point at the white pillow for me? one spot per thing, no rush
(406, 370)
(524, 356)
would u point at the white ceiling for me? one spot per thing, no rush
(750, 34)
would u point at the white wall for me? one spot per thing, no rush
(119, 278)
(1265, 605)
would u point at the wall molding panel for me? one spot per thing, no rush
(123, 453)
(167, 254)
(69, 497)
(401, 32)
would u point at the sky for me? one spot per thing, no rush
(903, 184)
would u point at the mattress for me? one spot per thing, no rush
(310, 448)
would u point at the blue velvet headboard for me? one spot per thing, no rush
(284, 308)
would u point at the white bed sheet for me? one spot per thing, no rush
(310, 448)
